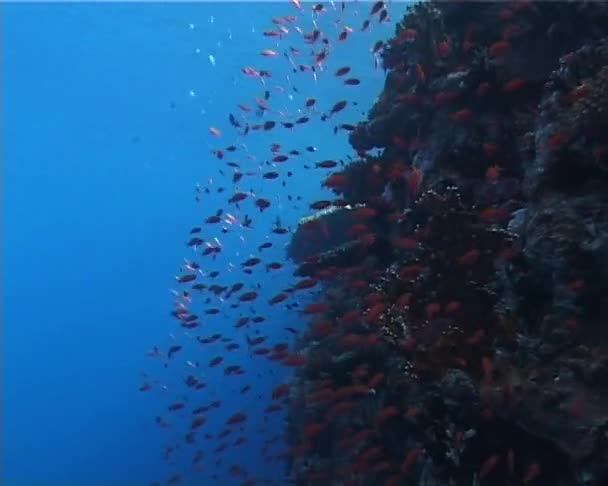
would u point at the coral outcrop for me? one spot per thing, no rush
(463, 338)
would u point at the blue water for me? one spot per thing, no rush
(105, 110)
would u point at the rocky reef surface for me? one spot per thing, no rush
(463, 337)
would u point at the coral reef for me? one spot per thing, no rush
(462, 339)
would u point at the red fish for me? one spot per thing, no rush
(444, 49)
(483, 89)
(251, 262)
(315, 308)
(499, 49)
(310, 430)
(295, 360)
(410, 460)
(513, 85)
(557, 140)
(262, 203)
(414, 180)
(532, 473)
(197, 422)
(463, 115)
(386, 414)
(248, 296)
(280, 391)
(176, 406)
(488, 466)
(419, 73)
(237, 197)
(278, 298)
(469, 258)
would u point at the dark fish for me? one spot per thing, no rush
(342, 71)
(339, 106)
(172, 350)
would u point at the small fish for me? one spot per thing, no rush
(278, 298)
(376, 7)
(488, 466)
(513, 85)
(342, 71)
(532, 473)
(410, 460)
(173, 349)
(499, 49)
(326, 164)
(463, 115)
(236, 418)
(320, 204)
(250, 262)
(444, 49)
(419, 73)
(339, 106)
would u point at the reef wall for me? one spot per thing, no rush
(465, 266)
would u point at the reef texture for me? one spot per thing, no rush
(461, 337)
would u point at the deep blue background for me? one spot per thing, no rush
(102, 142)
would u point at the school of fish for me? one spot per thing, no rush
(400, 293)
(299, 41)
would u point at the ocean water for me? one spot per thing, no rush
(105, 116)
